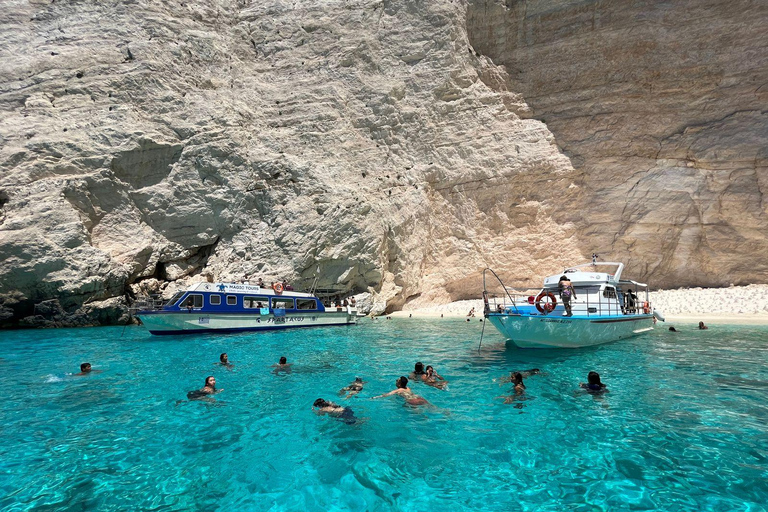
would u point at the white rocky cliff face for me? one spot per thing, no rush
(145, 145)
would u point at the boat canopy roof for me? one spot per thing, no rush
(233, 288)
(588, 274)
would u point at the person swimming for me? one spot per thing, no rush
(702, 326)
(283, 366)
(403, 390)
(418, 372)
(434, 379)
(224, 360)
(85, 369)
(352, 388)
(593, 384)
(345, 414)
(523, 373)
(206, 391)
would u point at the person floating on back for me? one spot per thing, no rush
(322, 407)
(593, 384)
(352, 388)
(282, 367)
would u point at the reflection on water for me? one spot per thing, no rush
(682, 428)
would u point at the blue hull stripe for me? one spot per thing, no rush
(245, 329)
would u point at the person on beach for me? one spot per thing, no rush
(282, 367)
(352, 388)
(403, 390)
(702, 326)
(206, 391)
(85, 369)
(471, 312)
(593, 384)
(224, 360)
(322, 407)
(566, 294)
(434, 379)
(418, 372)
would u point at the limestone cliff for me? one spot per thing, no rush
(399, 147)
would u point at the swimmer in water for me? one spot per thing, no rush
(345, 414)
(418, 372)
(224, 360)
(523, 373)
(206, 391)
(403, 390)
(352, 388)
(434, 379)
(85, 369)
(593, 384)
(282, 367)
(702, 326)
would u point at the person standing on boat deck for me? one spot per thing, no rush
(566, 293)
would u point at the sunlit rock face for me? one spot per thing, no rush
(661, 107)
(390, 148)
(148, 144)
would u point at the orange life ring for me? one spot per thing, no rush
(646, 308)
(549, 305)
(278, 287)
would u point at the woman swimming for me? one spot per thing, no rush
(352, 388)
(345, 414)
(434, 379)
(205, 391)
(403, 390)
(593, 384)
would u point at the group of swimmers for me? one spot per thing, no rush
(420, 373)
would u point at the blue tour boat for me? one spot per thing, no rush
(228, 307)
(605, 308)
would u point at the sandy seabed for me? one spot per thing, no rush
(732, 305)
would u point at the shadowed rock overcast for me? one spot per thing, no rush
(398, 147)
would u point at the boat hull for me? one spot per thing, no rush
(163, 322)
(551, 331)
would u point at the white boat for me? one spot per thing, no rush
(228, 307)
(605, 308)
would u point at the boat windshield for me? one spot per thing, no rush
(175, 299)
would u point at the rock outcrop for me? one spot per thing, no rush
(397, 147)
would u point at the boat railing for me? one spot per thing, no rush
(148, 303)
(510, 301)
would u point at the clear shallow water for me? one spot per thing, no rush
(684, 427)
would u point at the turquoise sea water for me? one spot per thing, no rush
(684, 427)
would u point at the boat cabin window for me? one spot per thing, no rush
(279, 302)
(231, 300)
(215, 300)
(306, 304)
(175, 299)
(250, 302)
(609, 292)
(195, 300)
